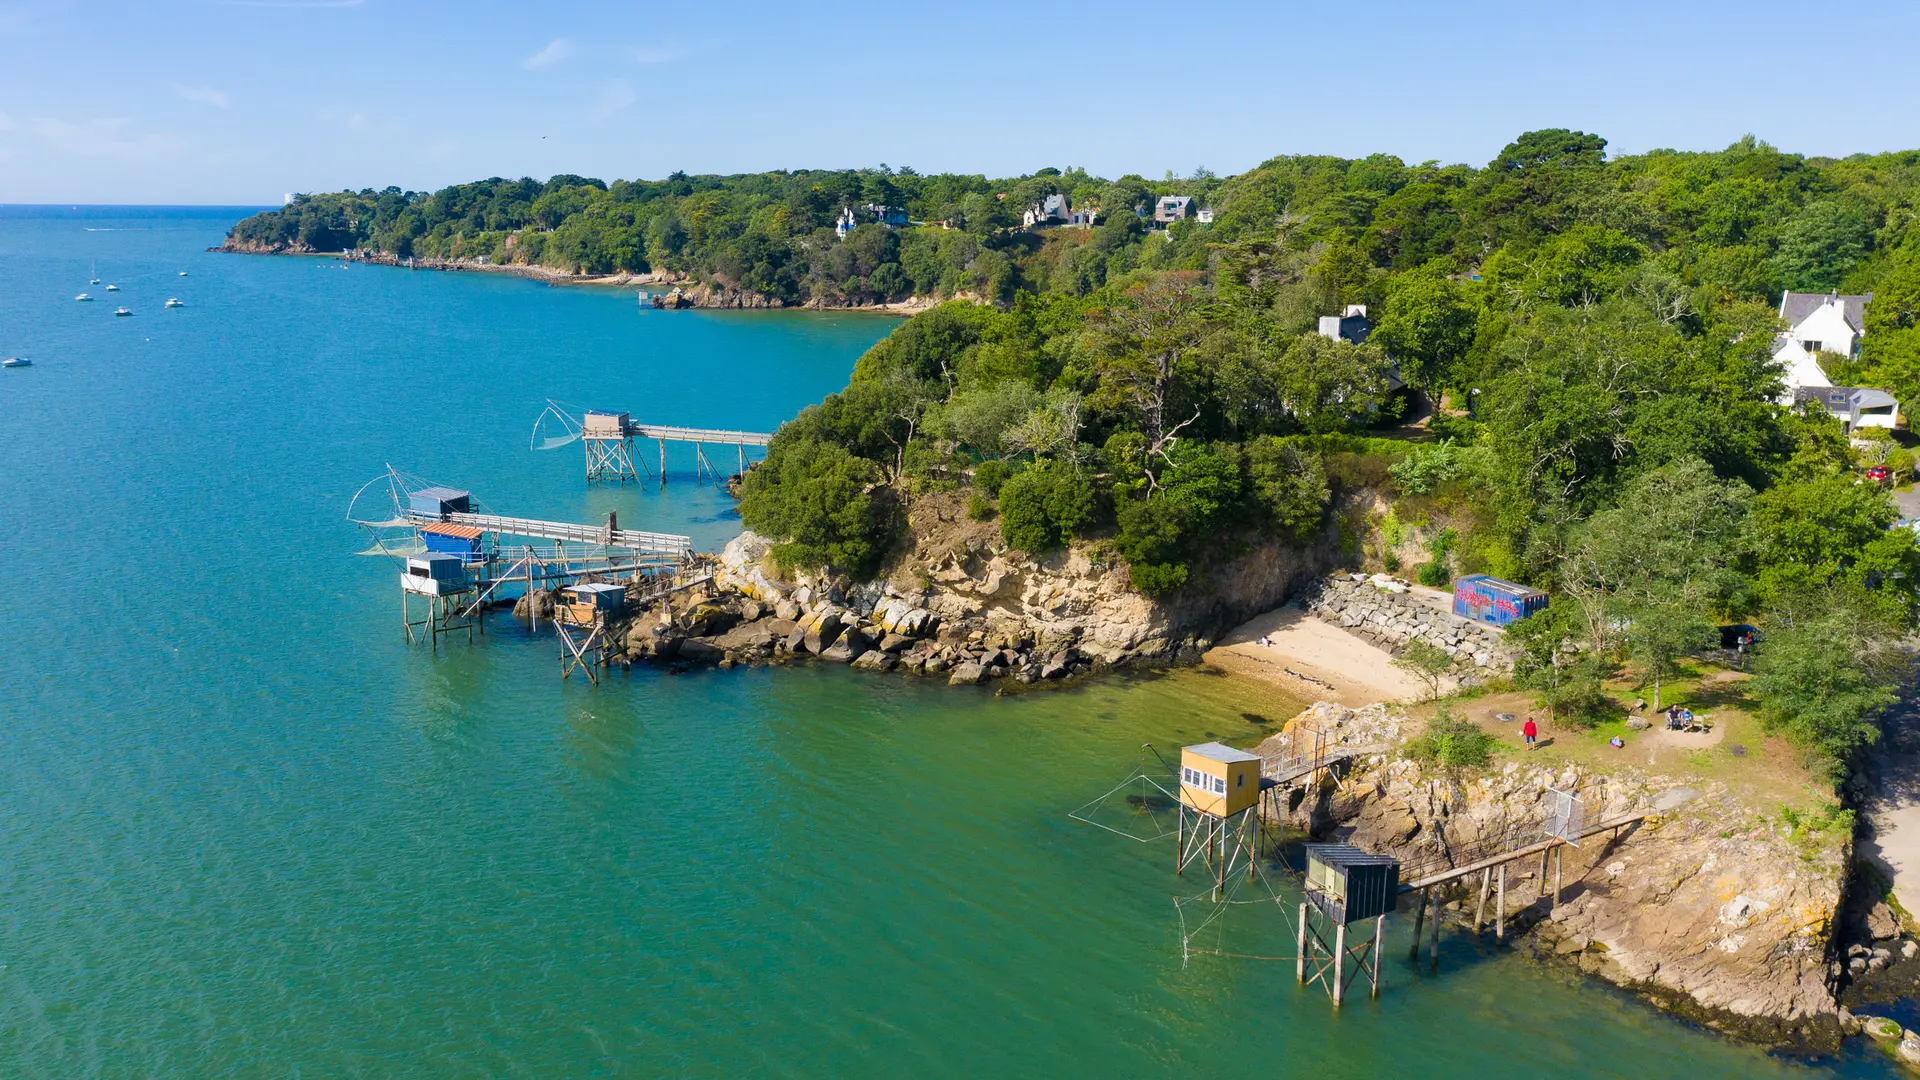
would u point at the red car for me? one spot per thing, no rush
(1880, 473)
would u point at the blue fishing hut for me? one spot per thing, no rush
(1487, 599)
(439, 502)
(461, 541)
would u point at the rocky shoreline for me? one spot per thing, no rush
(1707, 910)
(1704, 910)
(682, 292)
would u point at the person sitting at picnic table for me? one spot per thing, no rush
(1686, 719)
(1673, 718)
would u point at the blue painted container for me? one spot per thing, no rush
(1489, 600)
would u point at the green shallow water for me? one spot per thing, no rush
(246, 831)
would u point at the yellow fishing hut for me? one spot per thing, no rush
(1218, 780)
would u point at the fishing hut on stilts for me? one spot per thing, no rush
(441, 575)
(458, 560)
(609, 437)
(1344, 886)
(1217, 819)
(582, 620)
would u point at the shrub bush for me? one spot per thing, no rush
(1452, 743)
(989, 475)
(1043, 506)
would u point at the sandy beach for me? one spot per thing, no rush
(1313, 659)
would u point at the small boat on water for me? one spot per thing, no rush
(83, 297)
(16, 361)
(171, 302)
(183, 273)
(121, 311)
(113, 288)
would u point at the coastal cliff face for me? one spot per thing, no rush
(1078, 601)
(1706, 908)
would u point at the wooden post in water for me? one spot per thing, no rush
(663, 463)
(1419, 923)
(1480, 913)
(1379, 928)
(1339, 963)
(1300, 947)
(1433, 944)
(1500, 908)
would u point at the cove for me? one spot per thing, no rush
(245, 830)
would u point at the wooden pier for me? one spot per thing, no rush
(1492, 870)
(608, 438)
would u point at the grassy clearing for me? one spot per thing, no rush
(1761, 771)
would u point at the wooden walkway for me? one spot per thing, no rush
(1492, 869)
(1458, 872)
(646, 543)
(699, 435)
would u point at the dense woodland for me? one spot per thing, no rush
(1593, 337)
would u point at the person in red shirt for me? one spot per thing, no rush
(1531, 731)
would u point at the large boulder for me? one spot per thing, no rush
(537, 604)
(702, 651)
(706, 620)
(848, 647)
(966, 674)
(819, 630)
(874, 660)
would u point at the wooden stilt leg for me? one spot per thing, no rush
(1179, 837)
(1500, 908)
(1300, 947)
(1373, 975)
(1480, 912)
(1419, 924)
(1559, 869)
(1339, 963)
(1433, 943)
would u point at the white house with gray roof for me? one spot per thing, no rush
(1831, 323)
(1816, 323)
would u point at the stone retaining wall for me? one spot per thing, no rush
(1391, 620)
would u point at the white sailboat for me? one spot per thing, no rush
(171, 302)
(83, 296)
(121, 311)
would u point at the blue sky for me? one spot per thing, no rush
(239, 101)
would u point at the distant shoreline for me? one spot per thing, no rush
(668, 291)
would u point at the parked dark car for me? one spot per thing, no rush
(1731, 636)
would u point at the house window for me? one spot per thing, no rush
(1219, 785)
(1811, 346)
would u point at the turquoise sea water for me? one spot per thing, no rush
(246, 831)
